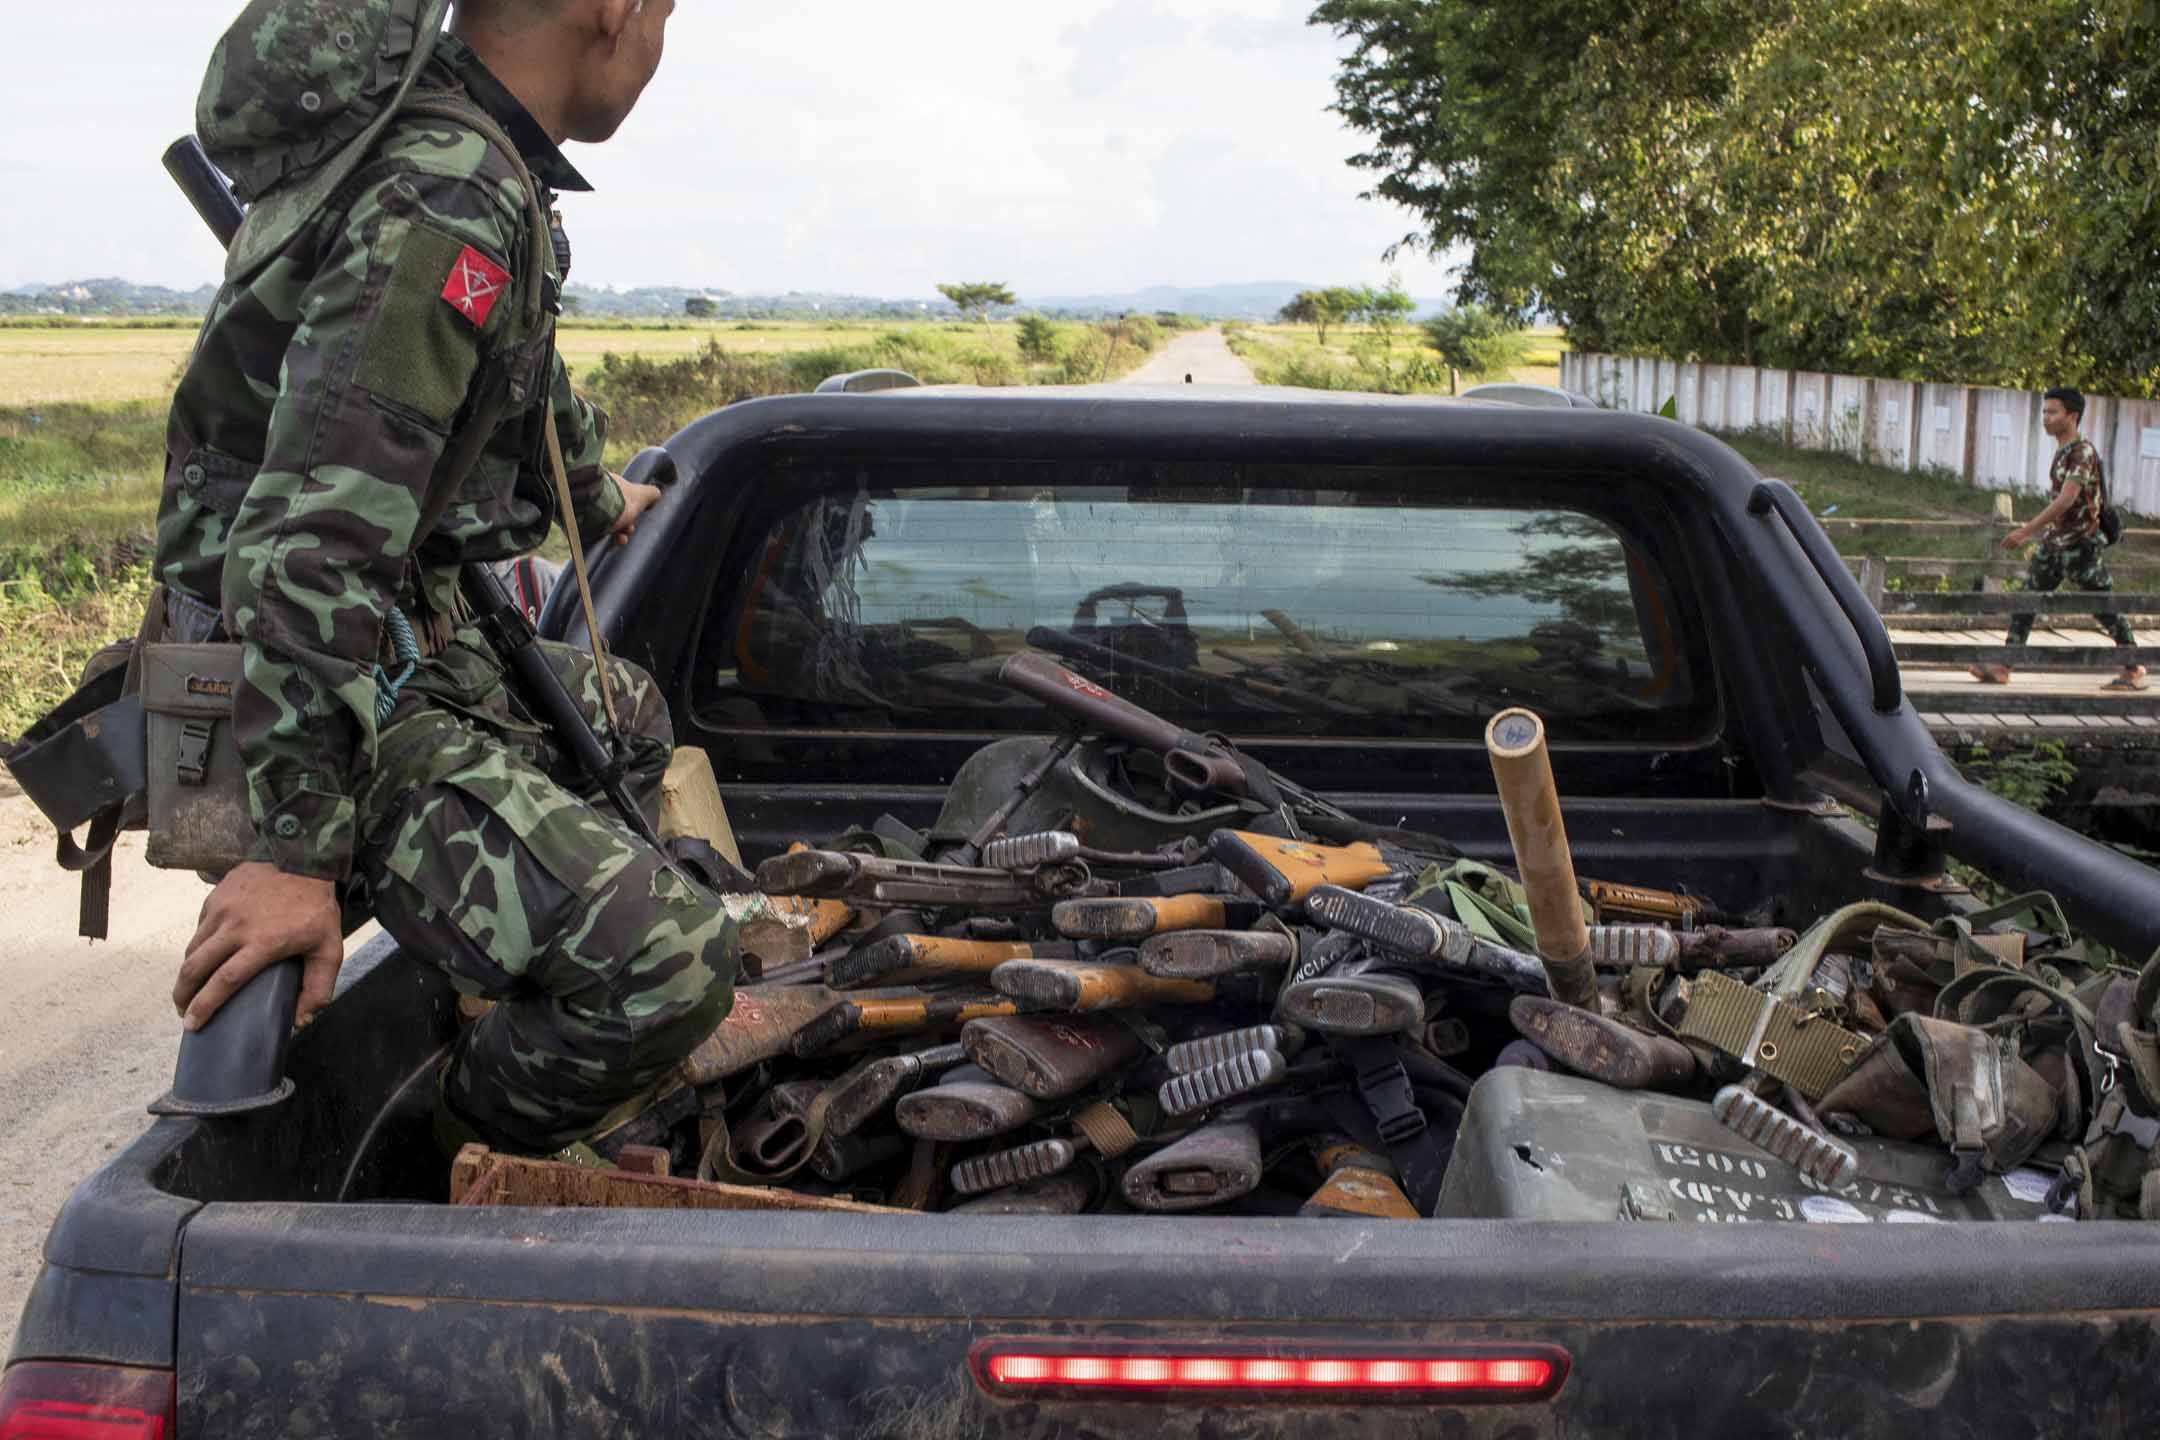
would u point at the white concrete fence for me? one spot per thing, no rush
(1990, 438)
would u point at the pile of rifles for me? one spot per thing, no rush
(1274, 1017)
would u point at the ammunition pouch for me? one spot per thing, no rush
(85, 762)
(2114, 1173)
(85, 757)
(196, 784)
(145, 740)
(1971, 1088)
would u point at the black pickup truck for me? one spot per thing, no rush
(296, 1272)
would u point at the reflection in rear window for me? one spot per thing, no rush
(1330, 616)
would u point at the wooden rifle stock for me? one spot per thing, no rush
(1191, 761)
(1282, 872)
(1623, 904)
(760, 1026)
(1209, 954)
(1359, 1185)
(1137, 917)
(1081, 985)
(905, 959)
(1049, 1057)
(827, 917)
(864, 1013)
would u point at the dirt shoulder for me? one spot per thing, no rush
(91, 1033)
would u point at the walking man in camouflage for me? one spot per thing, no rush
(2071, 543)
(365, 414)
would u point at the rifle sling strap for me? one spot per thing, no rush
(1419, 1150)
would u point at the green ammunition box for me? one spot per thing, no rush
(1541, 1146)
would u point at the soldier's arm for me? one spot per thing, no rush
(408, 295)
(2056, 509)
(582, 427)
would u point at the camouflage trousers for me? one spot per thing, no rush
(488, 856)
(2079, 564)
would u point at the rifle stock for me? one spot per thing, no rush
(1283, 872)
(1191, 760)
(1621, 904)
(827, 917)
(1079, 985)
(1049, 1057)
(864, 1013)
(965, 1110)
(1444, 945)
(1137, 917)
(1602, 1048)
(876, 880)
(1211, 954)
(1359, 1185)
(871, 1088)
(1354, 1003)
(904, 959)
(761, 1026)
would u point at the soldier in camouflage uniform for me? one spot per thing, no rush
(378, 314)
(2071, 547)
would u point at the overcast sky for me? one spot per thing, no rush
(839, 145)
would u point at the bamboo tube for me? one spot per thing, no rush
(1515, 743)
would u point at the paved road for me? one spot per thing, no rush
(90, 1034)
(1201, 356)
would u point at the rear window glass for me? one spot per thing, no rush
(1267, 613)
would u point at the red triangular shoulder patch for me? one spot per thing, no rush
(475, 284)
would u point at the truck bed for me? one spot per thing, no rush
(298, 1271)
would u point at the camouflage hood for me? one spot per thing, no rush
(295, 92)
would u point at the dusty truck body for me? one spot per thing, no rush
(297, 1271)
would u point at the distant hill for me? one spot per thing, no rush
(105, 296)
(1260, 300)
(647, 302)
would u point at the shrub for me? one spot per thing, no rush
(1315, 372)
(1476, 341)
(1037, 339)
(1137, 331)
(1084, 359)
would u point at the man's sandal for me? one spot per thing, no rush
(2132, 678)
(1990, 674)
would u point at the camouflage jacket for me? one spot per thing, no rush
(2077, 461)
(317, 409)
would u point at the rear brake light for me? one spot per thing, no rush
(45, 1400)
(1451, 1375)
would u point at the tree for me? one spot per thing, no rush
(1038, 339)
(1476, 341)
(973, 300)
(697, 307)
(1385, 310)
(1959, 192)
(1321, 308)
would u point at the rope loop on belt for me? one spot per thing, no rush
(405, 648)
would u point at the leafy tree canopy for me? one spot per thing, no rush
(1963, 192)
(975, 299)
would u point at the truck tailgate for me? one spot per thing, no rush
(399, 1320)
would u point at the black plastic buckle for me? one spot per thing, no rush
(1386, 1091)
(194, 758)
